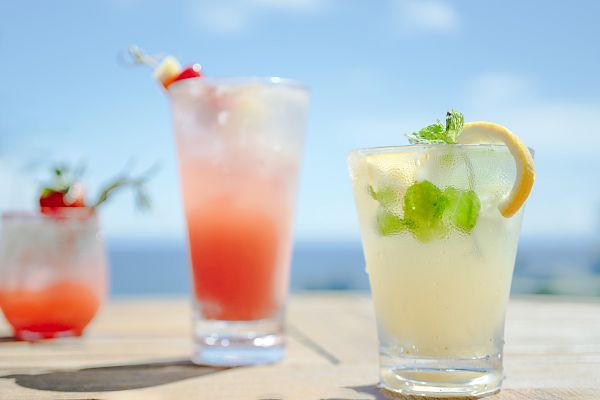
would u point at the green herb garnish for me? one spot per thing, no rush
(424, 207)
(137, 184)
(386, 196)
(389, 223)
(429, 212)
(438, 133)
(66, 189)
(463, 209)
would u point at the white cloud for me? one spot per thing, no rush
(565, 199)
(497, 87)
(290, 5)
(223, 16)
(554, 126)
(235, 16)
(426, 16)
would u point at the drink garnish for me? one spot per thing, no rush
(167, 69)
(430, 212)
(67, 190)
(462, 209)
(488, 132)
(437, 133)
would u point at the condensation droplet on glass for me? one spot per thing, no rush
(220, 91)
(223, 117)
(211, 341)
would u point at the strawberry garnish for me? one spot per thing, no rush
(187, 73)
(50, 199)
(64, 191)
(167, 69)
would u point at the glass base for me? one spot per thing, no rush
(236, 343)
(447, 377)
(32, 335)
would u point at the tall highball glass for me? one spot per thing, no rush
(239, 143)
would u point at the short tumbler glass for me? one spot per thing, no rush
(239, 143)
(53, 272)
(440, 259)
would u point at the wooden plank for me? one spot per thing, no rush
(285, 382)
(553, 342)
(134, 331)
(549, 342)
(552, 352)
(343, 325)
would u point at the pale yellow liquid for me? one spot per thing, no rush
(444, 298)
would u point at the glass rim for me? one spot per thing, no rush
(244, 81)
(420, 147)
(62, 213)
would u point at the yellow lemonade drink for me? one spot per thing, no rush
(440, 255)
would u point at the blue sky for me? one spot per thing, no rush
(376, 70)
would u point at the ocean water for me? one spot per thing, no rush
(570, 267)
(162, 267)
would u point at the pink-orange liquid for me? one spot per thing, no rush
(234, 263)
(63, 308)
(240, 241)
(239, 144)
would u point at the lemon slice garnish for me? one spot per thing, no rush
(488, 132)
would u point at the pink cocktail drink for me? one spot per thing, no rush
(61, 308)
(54, 272)
(239, 143)
(239, 239)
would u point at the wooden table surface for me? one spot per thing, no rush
(139, 349)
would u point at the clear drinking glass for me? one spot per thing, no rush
(53, 272)
(440, 285)
(239, 143)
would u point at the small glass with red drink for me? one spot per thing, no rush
(53, 272)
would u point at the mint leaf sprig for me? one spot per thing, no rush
(65, 190)
(439, 133)
(429, 212)
(63, 179)
(137, 184)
